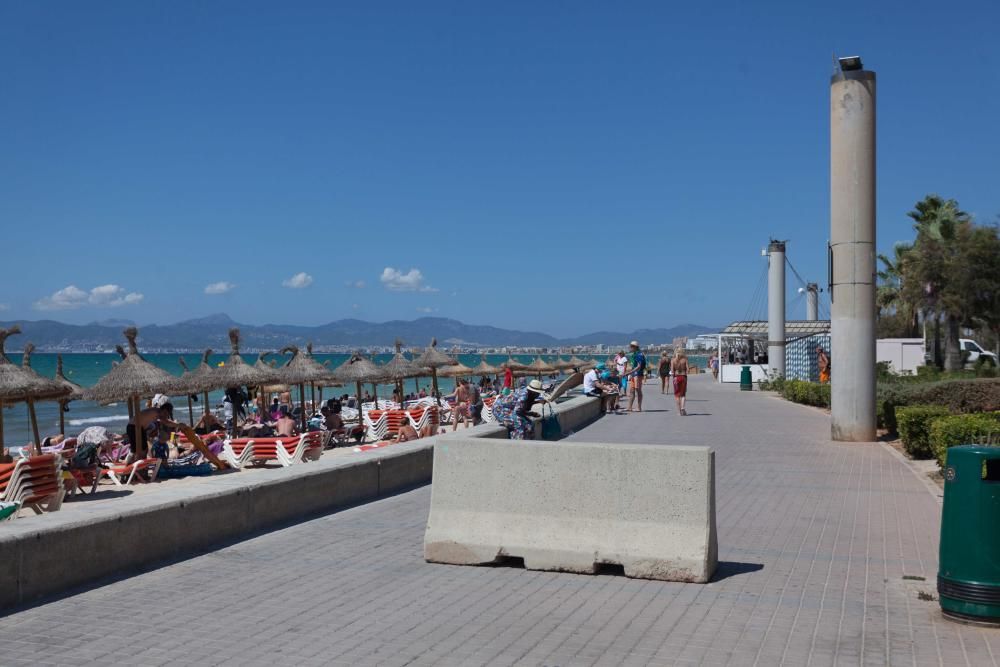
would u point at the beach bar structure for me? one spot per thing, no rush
(750, 340)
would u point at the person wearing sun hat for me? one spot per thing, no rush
(513, 411)
(636, 374)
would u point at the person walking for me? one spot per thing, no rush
(679, 367)
(664, 371)
(637, 373)
(823, 359)
(621, 365)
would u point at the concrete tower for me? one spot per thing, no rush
(776, 307)
(852, 241)
(812, 302)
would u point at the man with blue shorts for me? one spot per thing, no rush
(636, 374)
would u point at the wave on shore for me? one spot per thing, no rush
(98, 420)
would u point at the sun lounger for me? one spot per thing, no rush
(34, 482)
(123, 474)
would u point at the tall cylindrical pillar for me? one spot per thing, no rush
(812, 302)
(776, 308)
(852, 242)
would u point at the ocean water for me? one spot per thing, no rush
(87, 369)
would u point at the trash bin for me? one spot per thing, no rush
(746, 379)
(969, 563)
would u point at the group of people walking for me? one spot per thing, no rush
(627, 374)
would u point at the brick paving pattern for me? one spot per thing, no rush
(814, 539)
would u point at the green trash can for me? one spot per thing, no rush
(969, 563)
(746, 379)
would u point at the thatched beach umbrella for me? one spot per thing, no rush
(188, 380)
(400, 368)
(577, 362)
(538, 367)
(300, 369)
(433, 359)
(74, 392)
(483, 368)
(45, 389)
(456, 370)
(203, 379)
(132, 379)
(234, 372)
(15, 384)
(356, 370)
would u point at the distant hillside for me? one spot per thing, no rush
(212, 331)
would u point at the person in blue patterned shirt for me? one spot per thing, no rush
(636, 374)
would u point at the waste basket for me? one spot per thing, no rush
(746, 379)
(969, 561)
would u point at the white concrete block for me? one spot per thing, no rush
(573, 506)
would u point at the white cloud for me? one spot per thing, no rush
(355, 306)
(3, 307)
(220, 287)
(72, 297)
(397, 281)
(426, 309)
(298, 281)
(356, 284)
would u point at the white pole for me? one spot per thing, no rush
(776, 308)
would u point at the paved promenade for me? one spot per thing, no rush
(814, 538)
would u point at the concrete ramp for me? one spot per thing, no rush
(573, 506)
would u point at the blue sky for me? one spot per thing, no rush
(556, 166)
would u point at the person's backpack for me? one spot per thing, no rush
(85, 456)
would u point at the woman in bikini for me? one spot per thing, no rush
(679, 367)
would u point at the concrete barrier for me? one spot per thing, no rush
(574, 506)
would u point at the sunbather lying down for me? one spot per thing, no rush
(407, 432)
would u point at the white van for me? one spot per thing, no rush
(975, 351)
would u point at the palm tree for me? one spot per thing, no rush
(889, 296)
(930, 267)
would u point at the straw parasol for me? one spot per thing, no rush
(456, 370)
(75, 393)
(189, 380)
(356, 370)
(538, 367)
(400, 368)
(235, 372)
(302, 368)
(132, 379)
(577, 362)
(203, 379)
(45, 389)
(433, 359)
(484, 368)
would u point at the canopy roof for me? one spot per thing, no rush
(793, 328)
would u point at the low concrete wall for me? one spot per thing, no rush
(50, 553)
(47, 554)
(573, 506)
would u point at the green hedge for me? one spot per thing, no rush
(960, 396)
(980, 429)
(914, 428)
(809, 393)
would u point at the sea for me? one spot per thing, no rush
(87, 369)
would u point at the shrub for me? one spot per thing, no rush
(945, 432)
(964, 396)
(914, 428)
(808, 393)
(773, 382)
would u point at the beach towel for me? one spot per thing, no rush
(174, 471)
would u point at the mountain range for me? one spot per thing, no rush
(212, 331)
